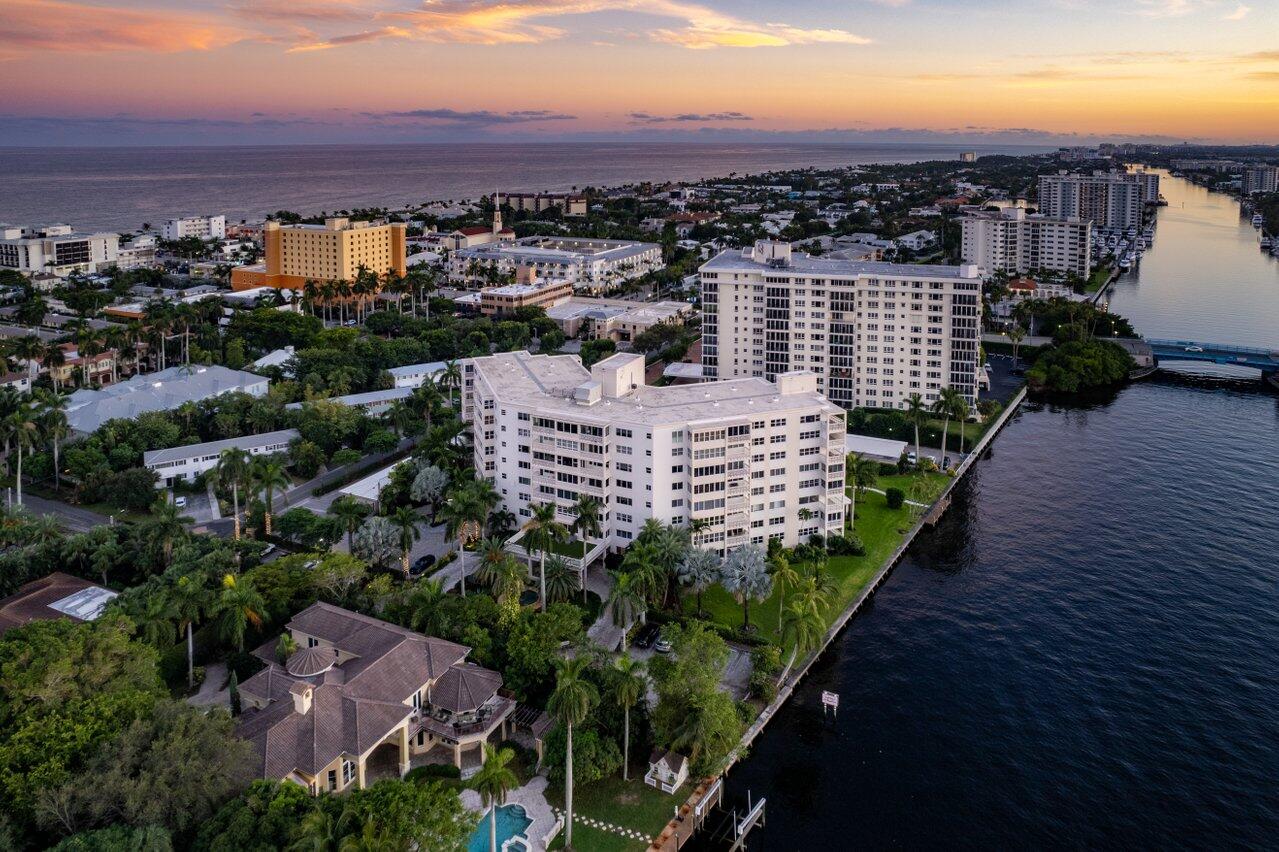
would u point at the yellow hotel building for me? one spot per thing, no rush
(334, 251)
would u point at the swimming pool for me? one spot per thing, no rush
(511, 822)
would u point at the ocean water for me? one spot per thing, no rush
(120, 188)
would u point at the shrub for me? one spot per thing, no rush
(763, 686)
(895, 497)
(345, 456)
(766, 659)
(420, 774)
(849, 544)
(886, 469)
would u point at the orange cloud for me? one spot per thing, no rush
(52, 25)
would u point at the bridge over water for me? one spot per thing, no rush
(1265, 360)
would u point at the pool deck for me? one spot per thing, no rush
(532, 798)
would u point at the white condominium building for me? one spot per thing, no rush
(874, 333)
(1013, 241)
(748, 459)
(588, 264)
(204, 227)
(1260, 179)
(56, 249)
(1112, 200)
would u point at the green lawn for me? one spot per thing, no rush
(574, 548)
(920, 487)
(880, 529)
(1098, 279)
(588, 839)
(631, 804)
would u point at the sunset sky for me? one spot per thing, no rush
(263, 71)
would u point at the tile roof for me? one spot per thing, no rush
(56, 595)
(355, 703)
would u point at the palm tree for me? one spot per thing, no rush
(425, 614)
(350, 513)
(269, 476)
(861, 473)
(626, 599)
(509, 580)
(784, 577)
(459, 513)
(190, 599)
(1016, 335)
(53, 427)
(165, 527)
(54, 360)
(20, 430)
(629, 685)
(561, 581)
(571, 703)
(493, 782)
(586, 520)
(744, 575)
(153, 616)
(801, 627)
(491, 554)
(406, 521)
(959, 408)
(916, 415)
(699, 571)
(945, 406)
(451, 379)
(238, 606)
(232, 469)
(542, 531)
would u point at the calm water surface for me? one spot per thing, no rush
(120, 188)
(1083, 654)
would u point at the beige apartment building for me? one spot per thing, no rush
(747, 459)
(873, 333)
(334, 251)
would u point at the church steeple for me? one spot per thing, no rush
(497, 213)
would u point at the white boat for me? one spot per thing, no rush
(1257, 220)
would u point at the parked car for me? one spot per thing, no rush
(180, 502)
(421, 564)
(647, 635)
(662, 646)
(1194, 349)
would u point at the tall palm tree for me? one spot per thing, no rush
(785, 577)
(350, 513)
(916, 415)
(626, 599)
(54, 360)
(425, 613)
(458, 513)
(190, 600)
(165, 527)
(1016, 335)
(945, 406)
(629, 685)
(406, 521)
(699, 571)
(269, 476)
(571, 703)
(491, 554)
(232, 470)
(744, 575)
(542, 531)
(509, 580)
(239, 606)
(451, 379)
(586, 520)
(861, 472)
(959, 408)
(21, 431)
(493, 782)
(153, 617)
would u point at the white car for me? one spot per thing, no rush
(180, 502)
(1194, 349)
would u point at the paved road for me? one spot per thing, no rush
(73, 518)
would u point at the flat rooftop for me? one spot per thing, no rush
(739, 260)
(547, 383)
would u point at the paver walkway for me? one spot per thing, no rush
(609, 827)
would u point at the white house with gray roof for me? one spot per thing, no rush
(162, 391)
(187, 462)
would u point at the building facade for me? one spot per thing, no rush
(874, 333)
(56, 249)
(587, 264)
(1013, 241)
(1112, 200)
(1260, 179)
(536, 202)
(185, 463)
(201, 227)
(334, 251)
(746, 460)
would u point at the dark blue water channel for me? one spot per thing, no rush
(1082, 654)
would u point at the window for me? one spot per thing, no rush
(348, 771)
